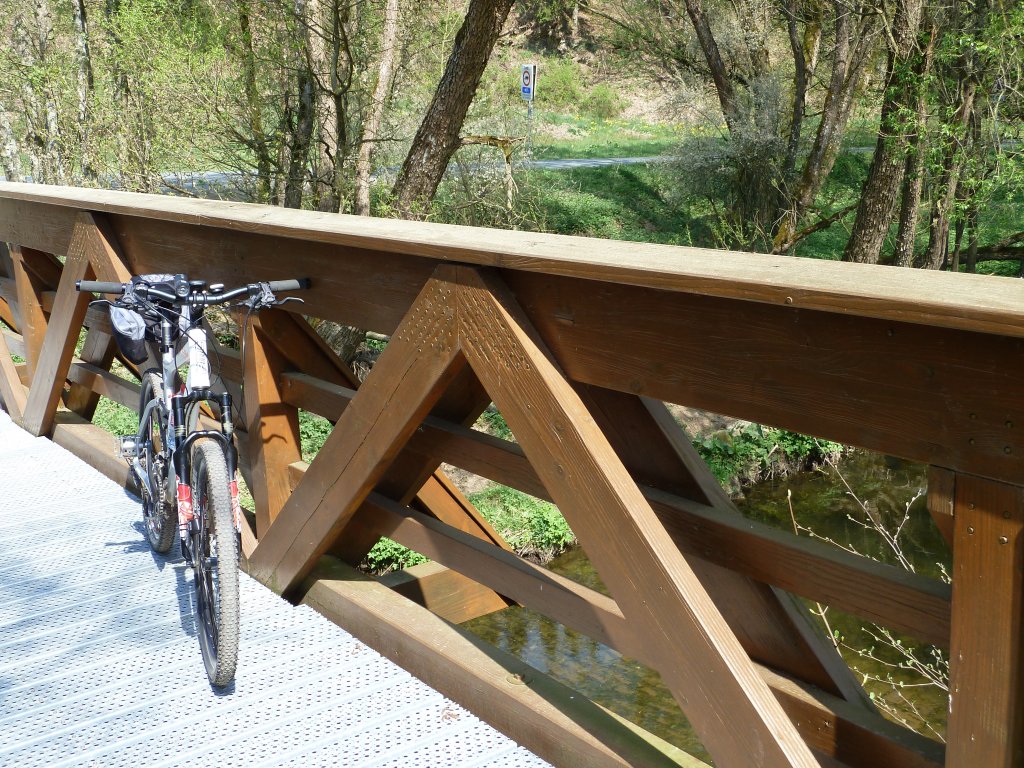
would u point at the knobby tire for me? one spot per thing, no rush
(215, 554)
(159, 514)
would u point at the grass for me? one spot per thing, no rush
(625, 202)
(530, 525)
(559, 136)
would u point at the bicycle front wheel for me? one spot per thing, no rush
(215, 554)
(159, 510)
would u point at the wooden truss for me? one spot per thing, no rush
(697, 592)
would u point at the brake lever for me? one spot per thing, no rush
(286, 299)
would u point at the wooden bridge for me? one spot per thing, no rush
(579, 343)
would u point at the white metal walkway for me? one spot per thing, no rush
(100, 666)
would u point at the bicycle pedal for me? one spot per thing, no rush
(128, 447)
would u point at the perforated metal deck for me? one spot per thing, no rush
(99, 663)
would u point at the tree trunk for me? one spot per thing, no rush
(53, 142)
(913, 172)
(850, 54)
(800, 81)
(734, 117)
(10, 163)
(35, 127)
(438, 135)
(375, 111)
(972, 240)
(331, 62)
(304, 114)
(257, 139)
(949, 179)
(84, 87)
(878, 196)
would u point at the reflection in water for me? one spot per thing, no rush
(821, 503)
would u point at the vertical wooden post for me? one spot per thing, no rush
(272, 424)
(986, 720)
(941, 490)
(98, 349)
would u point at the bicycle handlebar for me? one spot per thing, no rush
(195, 297)
(98, 286)
(289, 285)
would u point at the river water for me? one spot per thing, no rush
(823, 506)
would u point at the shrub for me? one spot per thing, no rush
(604, 102)
(388, 555)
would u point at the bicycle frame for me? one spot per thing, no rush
(173, 406)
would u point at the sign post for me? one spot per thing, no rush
(528, 89)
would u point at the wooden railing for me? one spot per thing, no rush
(580, 342)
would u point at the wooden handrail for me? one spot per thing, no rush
(967, 302)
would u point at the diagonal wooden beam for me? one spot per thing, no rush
(59, 345)
(857, 736)
(12, 393)
(412, 474)
(885, 594)
(104, 252)
(771, 626)
(29, 290)
(92, 251)
(403, 386)
(697, 654)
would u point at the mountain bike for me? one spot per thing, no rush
(187, 475)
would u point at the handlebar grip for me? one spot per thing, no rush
(98, 286)
(288, 285)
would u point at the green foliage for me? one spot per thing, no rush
(756, 452)
(585, 136)
(559, 84)
(527, 523)
(116, 418)
(620, 202)
(604, 102)
(313, 432)
(494, 423)
(388, 555)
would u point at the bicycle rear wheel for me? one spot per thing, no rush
(159, 511)
(215, 554)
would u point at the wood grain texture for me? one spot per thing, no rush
(881, 593)
(46, 267)
(29, 289)
(31, 213)
(63, 328)
(9, 312)
(444, 592)
(941, 494)
(12, 393)
(442, 499)
(412, 474)
(697, 654)
(855, 380)
(401, 389)
(299, 343)
(98, 350)
(986, 670)
(554, 722)
(100, 381)
(830, 725)
(93, 444)
(658, 453)
(351, 286)
(272, 425)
